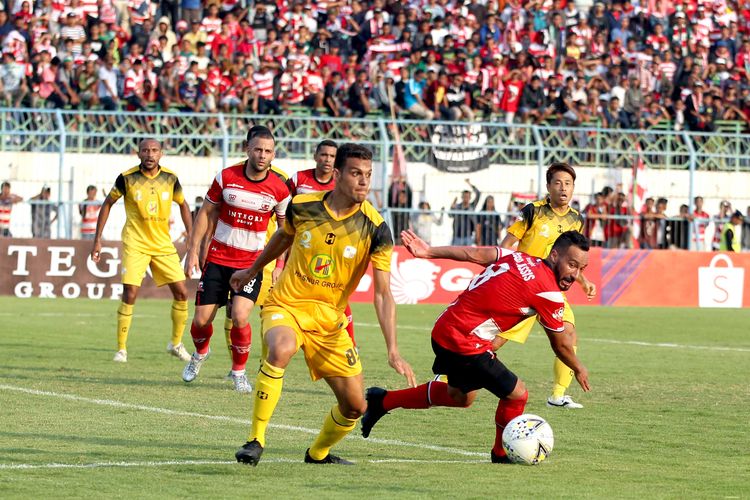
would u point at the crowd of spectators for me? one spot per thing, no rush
(619, 63)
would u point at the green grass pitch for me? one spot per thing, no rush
(667, 417)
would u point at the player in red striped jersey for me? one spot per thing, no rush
(238, 205)
(466, 334)
(7, 200)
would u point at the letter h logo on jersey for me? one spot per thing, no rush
(330, 238)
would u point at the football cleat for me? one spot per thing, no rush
(249, 453)
(329, 459)
(178, 351)
(194, 366)
(563, 402)
(121, 356)
(375, 410)
(499, 459)
(241, 384)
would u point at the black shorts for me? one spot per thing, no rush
(477, 371)
(213, 287)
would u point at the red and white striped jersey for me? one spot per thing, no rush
(304, 182)
(89, 213)
(264, 83)
(133, 83)
(91, 8)
(313, 83)
(5, 207)
(212, 27)
(245, 208)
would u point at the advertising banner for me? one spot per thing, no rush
(669, 278)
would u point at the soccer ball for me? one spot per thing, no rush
(528, 439)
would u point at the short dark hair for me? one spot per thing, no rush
(325, 143)
(560, 166)
(259, 131)
(90, 187)
(5, 183)
(351, 150)
(569, 239)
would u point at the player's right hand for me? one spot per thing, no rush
(95, 251)
(191, 264)
(239, 279)
(582, 376)
(416, 245)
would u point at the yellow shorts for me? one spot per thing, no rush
(266, 285)
(521, 331)
(164, 268)
(328, 354)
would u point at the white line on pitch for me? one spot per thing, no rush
(224, 418)
(168, 463)
(639, 343)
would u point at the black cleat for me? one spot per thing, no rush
(249, 453)
(375, 410)
(499, 459)
(329, 459)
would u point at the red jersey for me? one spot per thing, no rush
(304, 182)
(245, 209)
(507, 292)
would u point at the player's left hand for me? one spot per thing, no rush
(239, 279)
(589, 288)
(403, 368)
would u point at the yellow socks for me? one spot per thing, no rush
(563, 377)
(228, 334)
(124, 318)
(179, 320)
(335, 428)
(267, 393)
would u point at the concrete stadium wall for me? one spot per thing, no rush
(29, 171)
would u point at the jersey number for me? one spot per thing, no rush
(489, 272)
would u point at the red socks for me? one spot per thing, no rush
(430, 394)
(241, 338)
(201, 337)
(350, 326)
(507, 410)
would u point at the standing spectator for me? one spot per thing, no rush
(7, 200)
(89, 210)
(679, 228)
(489, 224)
(662, 229)
(400, 218)
(463, 224)
(41, 214)
(617, 230)
(596, 214)
(730, 233)
(413, 96)
(649, 226)
(701, 220)
(423, 221)
(359, 102)
(746, 231)
(633, 103)
(533, 102)
(107, 88)
(725, 209)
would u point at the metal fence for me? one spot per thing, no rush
(222, 135)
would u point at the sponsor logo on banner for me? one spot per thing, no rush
(720, 286)
(459, 148)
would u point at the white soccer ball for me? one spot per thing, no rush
(528, 439)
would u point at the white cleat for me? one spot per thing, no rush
(241, 384)
(563, 402)
(178, 351)
(121, 356)
(194, 366)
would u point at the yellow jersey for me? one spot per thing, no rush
(538, 226)
(148, 204)
(327, 259)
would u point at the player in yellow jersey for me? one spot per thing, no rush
(332, 237)
(535, 231)
(149, 190)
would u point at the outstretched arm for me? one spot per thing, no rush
(277, 245)
(420, 249)
(562, 345)
(385, 309)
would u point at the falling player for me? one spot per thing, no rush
(149, 190)
(465, 335)
(332, 237)
(238, 205)
(535, 230)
